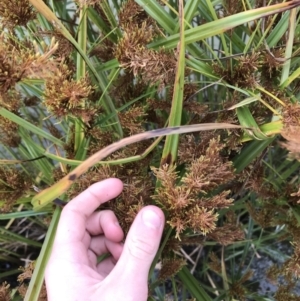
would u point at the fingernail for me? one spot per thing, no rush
(151, 219)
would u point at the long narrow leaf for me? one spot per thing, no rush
(193, 285)
(37, 279)
(29, 126)
(169, 154)
(219, 26)
(49, 194)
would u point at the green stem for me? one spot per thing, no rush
(81, 70)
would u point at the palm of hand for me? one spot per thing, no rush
(73, 272)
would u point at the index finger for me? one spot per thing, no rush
(72, 224)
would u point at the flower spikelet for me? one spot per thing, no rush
(169, 195)
(290, 114)
(18, 61)
(175, 200)
(177, 222)
(209, 170)
(27, 274)
(16, 12)
(272, 62)
(260, 215)
(132, 119)
(170, 267)
(215, 263)
(237, 289)
(202, 220)
(65, 46)
(133, 198)
(293, 264)
(296, 194)
(292, 144)
(5, 292)
(64, 95)
(227, 234)
(284, 293)
(132, 53)
(10, 100)
(217, 201)
(13, 63)
(184, 200)
(132, 13)
(13, 184)
(232, 7)
(244, 71)
(153, 66)
(134, 41)
(9, 132)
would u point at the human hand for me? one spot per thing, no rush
(72, 272)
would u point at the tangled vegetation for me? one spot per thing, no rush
(77, 76)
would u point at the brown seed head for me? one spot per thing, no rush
(16, 12)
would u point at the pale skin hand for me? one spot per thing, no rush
(72, 272)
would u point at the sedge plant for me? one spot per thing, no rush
(193, 104)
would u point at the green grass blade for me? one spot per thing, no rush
(246, 119)
(110, 16)
(193, 286)
(249, 153)
(29, 126)
(289, 46)
(279, 31)
(37, 278)
(98, 21)
(169, 154)
(219, 26)
(159, 14)
(22, 214)
(81, 69)
(190, 9)
(295, 75)
(9, 235)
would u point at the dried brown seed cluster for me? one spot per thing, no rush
(292, 270)
(232, 7)
(292, 144)
(64, 96)
(132, 13)
(132, 119)
(136, 194)
(186, 204)
(65, 46)
(104, 51)
(170, 267)
(271, 61)
(155, 67)
(24, 60)
(16, 12)
(243, 73)
(5, 292)
(13, 185)
(227, 234)
(291, 117)
(237, 289)
(9, 135)
(27, 274)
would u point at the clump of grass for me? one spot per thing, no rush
(73, 82)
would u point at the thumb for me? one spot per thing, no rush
(139, 250)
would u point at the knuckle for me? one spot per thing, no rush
(141, 248)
